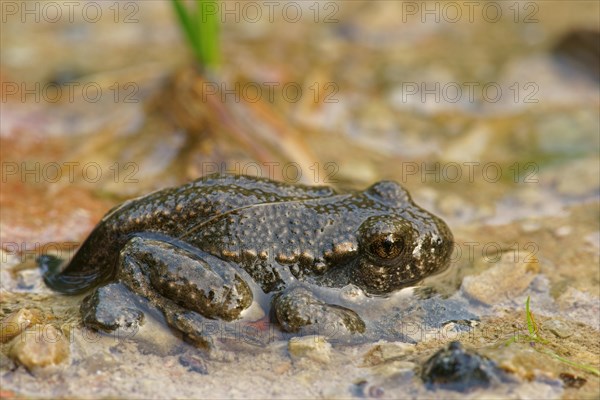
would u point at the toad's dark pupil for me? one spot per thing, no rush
(387, 247)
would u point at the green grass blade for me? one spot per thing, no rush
(207, 23)
(534, 337)
(587, 368)
(511, 340)
(529, 318)
(187, 25)
(201, 28)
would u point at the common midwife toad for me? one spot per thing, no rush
(207, 249)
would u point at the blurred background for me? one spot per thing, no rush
(103, 101)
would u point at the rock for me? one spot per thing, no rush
(194, 363)
(313, 347)
(505, 280)
(580, 48)
(282, 368)
(362, 389)
(18, 321)
(572, 381)
(558, 328)
(383, 352)
(455, 368)
(563, 231)
(28, 279)
(39, 347)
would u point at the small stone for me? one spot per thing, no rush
(375, 392)
(563, 231)
(352, 293)
(558, 328)
(572, 381)
(455, 368)
(194, 364)
(394, 368)
(313, 347)
(383, 352)
(18, 321)
(27, 279)
(39, 347)
(282, 368)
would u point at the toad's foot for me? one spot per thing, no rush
(111, 307)
(299, 310)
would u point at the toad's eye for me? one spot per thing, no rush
(386, 247)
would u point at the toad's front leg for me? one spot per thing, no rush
(189, 286)
(298, 309)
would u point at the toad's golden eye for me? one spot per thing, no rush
(386, 247)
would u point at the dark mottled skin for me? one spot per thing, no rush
(281, 235)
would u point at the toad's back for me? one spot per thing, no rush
(179, 212)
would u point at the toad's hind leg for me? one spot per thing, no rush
(189, 286)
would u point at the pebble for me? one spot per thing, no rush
(530, 226)
(314, 347)
(194, 364)
(558, 328)
(16, 322)
(282, 368)
(455, 368)
(563, 231)
(572, 381)
(39, 347)
(383, 352)
(28, 279)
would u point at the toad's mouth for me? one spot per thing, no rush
(380, 280)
